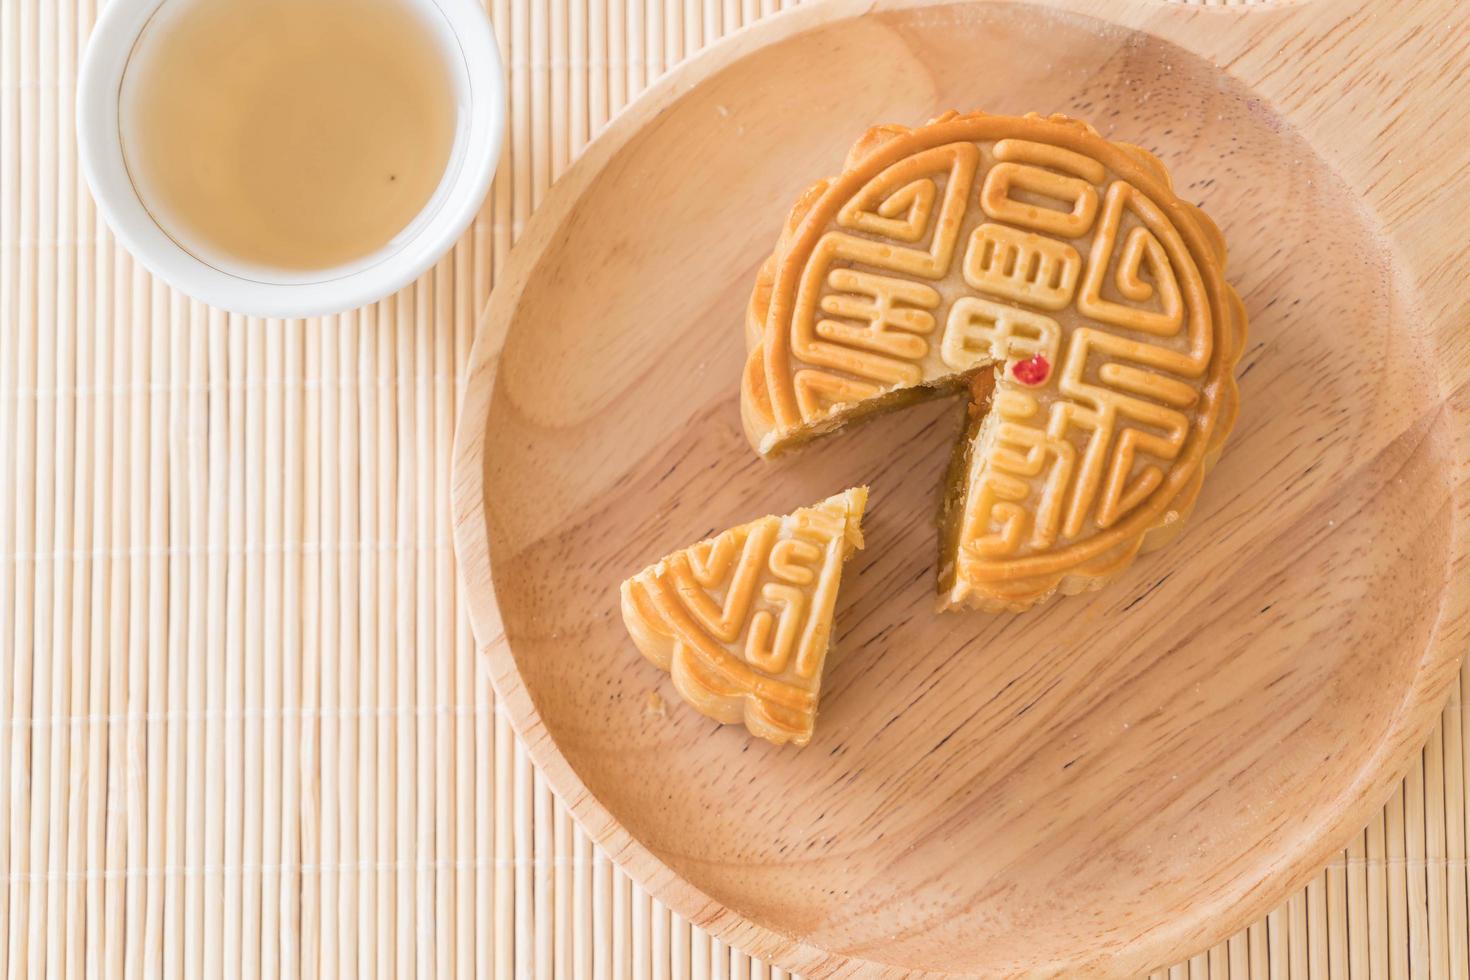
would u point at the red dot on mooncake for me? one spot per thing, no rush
(1032, 371)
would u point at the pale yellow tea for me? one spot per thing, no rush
(294, 135)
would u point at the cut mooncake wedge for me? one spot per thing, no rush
(1054, 273)
(743, 620)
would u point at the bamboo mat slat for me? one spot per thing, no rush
(242, 732)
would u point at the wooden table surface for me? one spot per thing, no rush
(241, 727)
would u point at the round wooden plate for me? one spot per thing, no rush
(1095, 787)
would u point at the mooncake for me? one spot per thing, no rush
(743, 620)
(1057, 277)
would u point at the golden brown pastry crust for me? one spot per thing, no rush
(940, 251)
(743, 620)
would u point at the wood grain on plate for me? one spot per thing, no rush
(1111, 781)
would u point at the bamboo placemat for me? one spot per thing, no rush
(241, 728)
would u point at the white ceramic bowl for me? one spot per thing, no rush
(480, 87)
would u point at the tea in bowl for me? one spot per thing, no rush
(290, 157)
